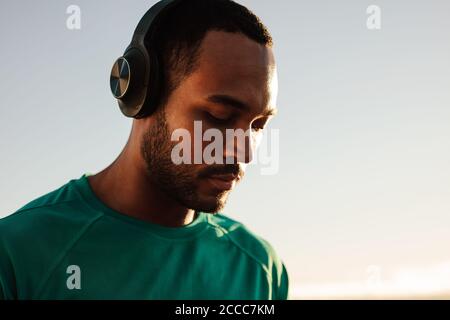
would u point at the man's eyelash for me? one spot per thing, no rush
(216, 119)
(256, 126)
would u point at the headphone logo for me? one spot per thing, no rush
(120, 77)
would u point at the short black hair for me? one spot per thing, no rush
(180, 32)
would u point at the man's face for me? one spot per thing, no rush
(233, 87)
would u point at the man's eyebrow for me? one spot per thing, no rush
(230, 101)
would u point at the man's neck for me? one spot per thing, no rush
(125, 187)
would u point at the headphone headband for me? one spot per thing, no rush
(151, 17)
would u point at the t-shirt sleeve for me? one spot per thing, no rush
(280, 277)
(6, 287)
(6, 271)
(283, 284)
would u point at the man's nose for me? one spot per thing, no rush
(238, 149)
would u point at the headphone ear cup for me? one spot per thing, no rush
(154, 85)
(137, 87)
(135, 82)
(130, 88)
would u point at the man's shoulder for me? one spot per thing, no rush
(34, 237)
(257, 248)
(45, 215)
(245, 239)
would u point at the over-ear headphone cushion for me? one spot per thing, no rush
(134, 97)
(141, 95)
(153, 93)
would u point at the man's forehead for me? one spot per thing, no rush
(236, 66)
(235, 49)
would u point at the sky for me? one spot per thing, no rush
(360, 204)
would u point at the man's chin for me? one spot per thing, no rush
(211, 204)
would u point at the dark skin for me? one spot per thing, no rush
(231, 68)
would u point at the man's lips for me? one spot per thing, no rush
(223, 181)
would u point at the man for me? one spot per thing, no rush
(146, 227)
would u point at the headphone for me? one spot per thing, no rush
(135, 77)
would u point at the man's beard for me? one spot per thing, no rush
(178, 182)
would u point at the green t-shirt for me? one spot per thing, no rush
(68, 244)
